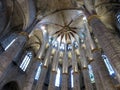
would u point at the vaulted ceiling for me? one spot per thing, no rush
(26, 10)
(58, 15)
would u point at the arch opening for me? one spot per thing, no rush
(11, 86)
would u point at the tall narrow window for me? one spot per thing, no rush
(71, 77)
(55, 44)
(57, 80)
(91, 75)
(7, 42)
(118, 20)
(75, 44)
(50, 40)
(118, 17)
(38, 72)
(62, 47)
(108, 65)
(10, 44)
(26, 61)
(69, 47)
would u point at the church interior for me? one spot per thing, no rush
(59, 44)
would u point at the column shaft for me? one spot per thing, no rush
(76, 81)
(74, 62)
(52, 81)
(41, 50)
(65, 63)
(30, 76)
(64, 82)
(88, 84)
(47, 57)
(41, 79)
(98, 82)
(103, 72)
(55, 61)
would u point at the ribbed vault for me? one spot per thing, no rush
(60, 37)
(64, 28)
(66, 33)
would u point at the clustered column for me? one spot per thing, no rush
(107, 41)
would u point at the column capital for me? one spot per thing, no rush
(76, 72)
(65, 73)
(37, 59)
(90, 60)
(92, 17)
(54, 72)
(84, 68)
(96, 49)
(24, 34)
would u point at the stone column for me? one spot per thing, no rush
(52, 81)
(82, 58)
(65, 63)
(75, 72)
(107, 41)
(41, 50)
(55, 61)
(65, 72)
(98, 82)
(88, 84)
(54, 70)
(30, 76)
(103, 72)
(41, 80)
(76, 81)
(10, 54)
(47, 57)
(74, 62)
(64, 83)
(88, 39)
